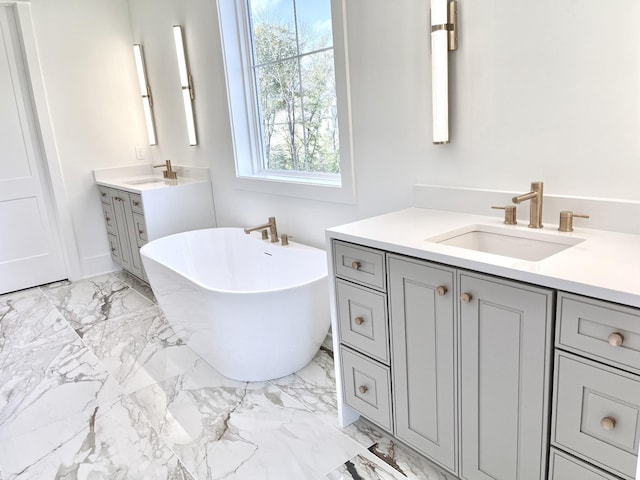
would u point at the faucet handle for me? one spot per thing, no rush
(566, 220)
(509, 214)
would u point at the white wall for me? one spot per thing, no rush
(89, 77)
(540, 91)
(543, 90)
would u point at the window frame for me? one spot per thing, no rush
(244, 115)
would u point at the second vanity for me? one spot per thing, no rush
(139, 205)
(492, 367)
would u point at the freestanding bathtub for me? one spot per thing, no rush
(252, 309)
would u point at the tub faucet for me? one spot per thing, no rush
(535, 205)
(271, 226)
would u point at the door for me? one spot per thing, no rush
(505, 332)
(421, 306)
(30, 250)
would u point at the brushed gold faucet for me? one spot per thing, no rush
(169, 172)
(273, 231)
(535, 205)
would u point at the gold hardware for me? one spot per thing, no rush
(135, 204)
(284, 239)
(113, 249)
(615, 339)
(451, 27)
(566, 220)
(466, 297)
(140, 231)
(608, 423)
(104, 194)
(359, 320)
(169, 172)
(265, 234)
(441, 290)
(271, 226)
(509, 214)
(535, 210)
(363, 389)
(356, 265)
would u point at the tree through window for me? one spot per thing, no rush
(293, 70)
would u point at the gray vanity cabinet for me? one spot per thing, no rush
(422, 313)
(505, 361)
(125, 228)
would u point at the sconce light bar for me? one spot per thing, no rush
(186, 84)
(145, 92)
(444, 37)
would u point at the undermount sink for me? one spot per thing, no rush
(523, 244)
(141, 181)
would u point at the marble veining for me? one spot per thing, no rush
(94, 383)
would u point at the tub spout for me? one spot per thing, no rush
(273, 231)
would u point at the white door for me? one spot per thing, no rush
(30, 250)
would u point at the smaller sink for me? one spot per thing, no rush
(522, 244)
(141, 181)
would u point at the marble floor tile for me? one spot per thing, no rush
(113, 441)
(314, 386)
(243, 432)
(140, 348)
(365, 466)
(137, 284)
(87, 302)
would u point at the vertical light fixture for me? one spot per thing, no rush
(186, 84)
(444, 37)
(145, 92)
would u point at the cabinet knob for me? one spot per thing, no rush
(608, 423)
(136, 204)
(615, 339)
(104, 194)
(363, 389)
(466, 297)
(356, 265)
(140, 231)
(359, 320)
(113, 249)
(441, 290)
(107, 219)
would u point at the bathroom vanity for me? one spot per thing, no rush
(139, 205)
(491, 366)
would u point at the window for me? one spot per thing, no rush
(285, 63)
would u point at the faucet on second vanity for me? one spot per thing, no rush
(271, 226)
(535, 210)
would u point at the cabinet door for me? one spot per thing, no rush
(505, 333)
(424, 357)
(130, 256)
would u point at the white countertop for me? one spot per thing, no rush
(605, 265)
(142, 178)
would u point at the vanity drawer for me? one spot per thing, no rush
(597, 410)
(367, 387)
(362, 316)
(114, 248)
(140, 229)
(360, 264)
(109, 218)
(566, 467)
(136, 203)
(592, 328)
(105, 196)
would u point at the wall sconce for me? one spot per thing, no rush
(186, 84)
(145, 92)
(444, 37)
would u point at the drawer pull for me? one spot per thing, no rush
(136, 204)
(363, 389)
(104, 194)
(356, 265)
(466, 297)
(441, 290)
(107, 219)
(140, 232)
(615, 339)
(608, 423)
(359, 320)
